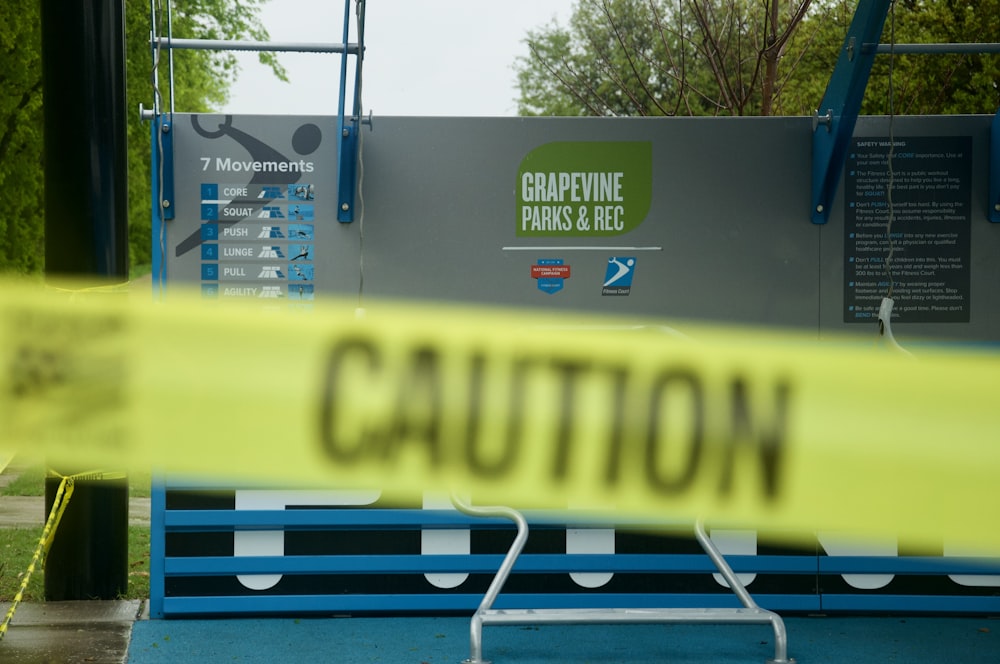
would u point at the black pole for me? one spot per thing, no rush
(86, 237)
(83, 77)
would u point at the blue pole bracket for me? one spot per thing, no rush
(347, 172)
(349, 127)
(833, 125)
(994, 202)
(164, 165)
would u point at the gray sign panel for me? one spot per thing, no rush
(680, 218)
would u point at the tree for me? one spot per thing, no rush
(654, 57)
(931, 84)
(608, 62)
(921, 84)
(202, 81)
(739, 57)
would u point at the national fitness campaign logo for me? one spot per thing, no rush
(551, 274)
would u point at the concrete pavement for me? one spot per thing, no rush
(91, 632)
(94, 632)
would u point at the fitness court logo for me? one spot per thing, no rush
(618, 275)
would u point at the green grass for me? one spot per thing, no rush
(17, 546)
(137, 271)
(29, 482)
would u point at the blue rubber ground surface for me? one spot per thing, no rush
(820, 640)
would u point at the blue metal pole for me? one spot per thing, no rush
(838, 112)
(994, 202)
(347, 151)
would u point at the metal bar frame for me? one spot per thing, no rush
(346, 166)
(348, 128)
(168, 522)
(833, 124)
(904, 49)
(485, 614)
(993, 207)
(224, 45)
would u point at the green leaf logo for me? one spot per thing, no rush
(584, 189)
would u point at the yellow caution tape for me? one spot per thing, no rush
(90, 475)
(774, 431)
(59, 504)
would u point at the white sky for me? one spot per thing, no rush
(423, 57)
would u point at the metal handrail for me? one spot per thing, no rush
(750, 613)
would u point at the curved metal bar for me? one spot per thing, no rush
(720, 562)
(476, 627)
(780, 633)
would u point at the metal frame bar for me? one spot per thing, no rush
(993, 207)
(833, 125)
(348, 128)
(325, 605)
(157, 545)
(348, 150)
(166, 522)
(553, 563)
(224, 45)
(751, 613)
(903, 49)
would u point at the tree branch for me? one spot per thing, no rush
(628, 56)
(569, 88)
(712, 50)
(611, 72)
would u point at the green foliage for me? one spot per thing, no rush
(945, 83)
(812, 54)
(922, 84)
(202, 80)
(738, 57)
(613, 59)
(658, 57)
(21, 241)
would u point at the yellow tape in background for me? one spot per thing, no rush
(536, 410)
